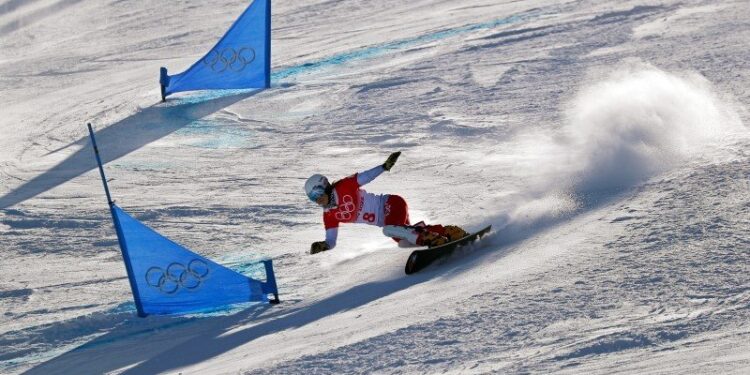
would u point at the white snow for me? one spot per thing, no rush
(606, 143)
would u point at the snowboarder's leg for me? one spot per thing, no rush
(396, 213)
(401, 232)
(404, 244)
(420, 234)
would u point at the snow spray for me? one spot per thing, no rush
(637, 122)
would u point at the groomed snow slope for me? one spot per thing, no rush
(604, 142)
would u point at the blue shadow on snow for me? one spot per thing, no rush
(122, 138)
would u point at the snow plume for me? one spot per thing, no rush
(638, 122)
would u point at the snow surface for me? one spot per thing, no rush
(603, 140)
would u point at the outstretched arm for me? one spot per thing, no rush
(331, 235)
(371, 174)
(367, 176)
(328, 244)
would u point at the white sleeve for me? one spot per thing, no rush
(369, 175)
(331, 235)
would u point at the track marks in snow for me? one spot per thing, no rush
(17, 293)
(635, 13)
(608, 344)
(33, 16)
(381, 85)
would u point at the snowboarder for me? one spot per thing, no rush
(345, 202)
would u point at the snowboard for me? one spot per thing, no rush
(420, 259)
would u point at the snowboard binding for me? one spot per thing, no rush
(437, 235)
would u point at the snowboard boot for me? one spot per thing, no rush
(421, 234)
(431, 239)
(454, 233)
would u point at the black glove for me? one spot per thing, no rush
(391, 161)
(319, 246)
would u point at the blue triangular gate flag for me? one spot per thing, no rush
(167, 278)
(240, 60)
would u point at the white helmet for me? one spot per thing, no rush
(315, 186)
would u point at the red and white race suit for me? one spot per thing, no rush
(351, 204)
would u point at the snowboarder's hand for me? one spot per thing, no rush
(319, 246)
(391, 161)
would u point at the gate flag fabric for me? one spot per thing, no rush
(240, 60)
(167, 278)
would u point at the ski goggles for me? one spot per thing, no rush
(316, 193)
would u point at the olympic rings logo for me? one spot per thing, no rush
(345, 211)
(177, 275)
(229, 59)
